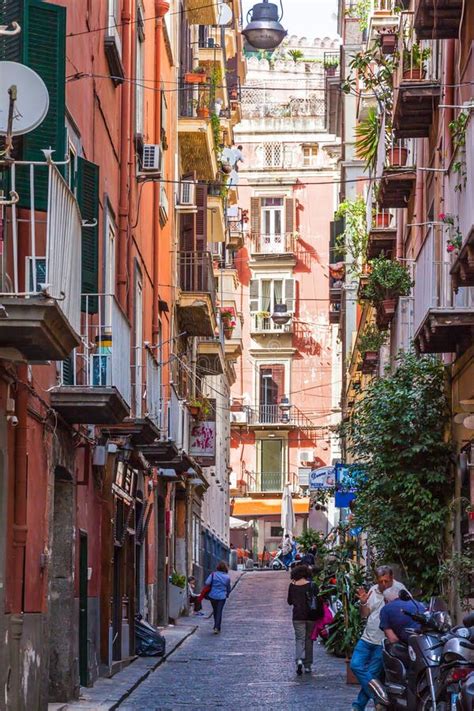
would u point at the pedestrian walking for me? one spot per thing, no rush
(366, 662)
(299, 595)
(219, 590)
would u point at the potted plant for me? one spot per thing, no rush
(367, 134)
(261, 315)
(197, 76)
(381, 218)
(387, 281)
(194, 407)
(176, 594)
(228, 322)
(397, 156)
(388, 41)
(330, 65)
(414, 60)
(370, 343)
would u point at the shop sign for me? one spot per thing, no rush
(322, 478)
(202, 438)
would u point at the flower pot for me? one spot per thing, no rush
(194, 410)
(236, 407)
(371, 356)
(331, 71)
(176, 601)
(350, 676)
(195, 78)
(228, 331)
(388, 307)
(203, 112)
(389, 43)
(397, 157)
(382, 220)
(226, 168)
(416, 73)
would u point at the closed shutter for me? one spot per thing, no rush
(290, 294)
(255, 208)
(44, 50)
(10, 47)
(254, 295)
(289, 215)
(88, 199)
(201, 218)
(68, 371)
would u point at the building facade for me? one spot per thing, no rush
(285, 397)
(111, 330)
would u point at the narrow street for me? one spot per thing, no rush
(250, 665)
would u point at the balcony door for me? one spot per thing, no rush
(273, 235)
(272, 383)
(271, 451)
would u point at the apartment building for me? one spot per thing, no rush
(419, 213)
(286, 389)
(110, 330)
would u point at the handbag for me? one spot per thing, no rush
(206, 590)
(315, 604)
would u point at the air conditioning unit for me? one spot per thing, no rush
(186, 199)
(152, 158)
(306, 456)
(239, 417)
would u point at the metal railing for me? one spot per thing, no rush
(178, 422)
(269, 481)
(382, 219)
(103, 359)
(153, 399)
(52, 240)
(433, 285)
(283, 243)
(274, 415)
(264, 324)
(196, 100)
(418, 57)
(195, 273)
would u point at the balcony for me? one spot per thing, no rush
(95, 384)
(383, 21)
(273, 417)
(335, 313)
(196, 140)
(462, 271)
(396, 186)
(196, 302)
(268, 481)
(202, 12)
(40, 275)
(336, 282)
(274, 247)
(236, 233)
(261, 325)
(233, 345)
(382, 235)
(417, 87)
(437, 19)
(210, 354)
(443, 319)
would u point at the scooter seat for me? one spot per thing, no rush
(400, 651)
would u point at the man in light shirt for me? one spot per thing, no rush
(366, 662)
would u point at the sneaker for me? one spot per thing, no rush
(307, 670)
(299, 667)
(199, 614)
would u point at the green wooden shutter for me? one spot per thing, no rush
(10, 47)
(88, 199)
(68, 371)
(43, 39)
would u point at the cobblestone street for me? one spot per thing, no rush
(250, 665)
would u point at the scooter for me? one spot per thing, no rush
(457, 667)
(465, 700)
(277, 563)
(411, 671)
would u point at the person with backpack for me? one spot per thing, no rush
(307, 608)
(217, 591)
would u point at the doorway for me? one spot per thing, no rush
(271, 464)
(83, 625)
(272, 382)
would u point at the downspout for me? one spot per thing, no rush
(161, 8)
(125, 168)
(20, 528)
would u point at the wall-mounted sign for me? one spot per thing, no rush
(202, 438)
(322, 478)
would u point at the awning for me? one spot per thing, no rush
(236, 523)
(252, 508)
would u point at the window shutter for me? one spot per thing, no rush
(254, 295)
(44, 50)
(290, 294)
(10, 47)
(201, 218)
(68, 370)
(289, 215)
(255, 215)
(88, 199)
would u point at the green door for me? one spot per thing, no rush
(83, 655)
(271, 465)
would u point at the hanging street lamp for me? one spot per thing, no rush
(264, 30)
(280, 315)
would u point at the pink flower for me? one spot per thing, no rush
(441, 216)
(450, 247)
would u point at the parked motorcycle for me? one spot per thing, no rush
(411, 670)
(456, 668)
(465, 700)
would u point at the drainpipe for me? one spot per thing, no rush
(20, 528)
(449, 98)
(125, 167)
(161, 8)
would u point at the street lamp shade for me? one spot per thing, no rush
(264, 30)
(280, 314)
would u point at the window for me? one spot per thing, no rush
(266, 293)
(271, 451)
(272, 389)
(276, 532)
(196, 539)
(273, 155)
(138, 343)
(140, 72)
(114, 17)
(310, 156)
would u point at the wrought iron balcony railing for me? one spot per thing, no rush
(195, 273)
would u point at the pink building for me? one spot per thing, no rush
(287, 380)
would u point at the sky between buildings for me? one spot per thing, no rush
(306, 18)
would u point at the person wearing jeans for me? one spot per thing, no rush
(298, 591)
(219, 582)
(366, 662)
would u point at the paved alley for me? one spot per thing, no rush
(250, 665)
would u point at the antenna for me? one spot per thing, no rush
(24, 99)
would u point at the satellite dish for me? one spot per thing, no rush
(32, 98)
(225, 14)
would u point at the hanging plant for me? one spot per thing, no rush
(455, 238)
(353, 241)
(372, 340)
(387, 280)
(396, 434)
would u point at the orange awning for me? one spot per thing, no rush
(252, 508)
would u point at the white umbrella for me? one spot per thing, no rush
(236, 523)
(288, 520)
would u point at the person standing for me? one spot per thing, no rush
(366, 662)
(219, 583)
(298, 593)
(287, 549)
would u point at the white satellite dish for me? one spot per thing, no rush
(32, 98)
(225, 14)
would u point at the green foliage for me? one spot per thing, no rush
(296, 54)
(376, 71)
(360, 10)
(367, 139)
(353, 241)
(388, 279)
(216, 130)
(458, 570)
(372, 339)
(397, 435)
(330, 61)
(177, 579)
(310, 538)
(415, 57)
(458, 129)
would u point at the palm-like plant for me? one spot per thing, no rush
(296, 54)
(367, 139)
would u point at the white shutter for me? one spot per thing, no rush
(290, 294)
(254, 295)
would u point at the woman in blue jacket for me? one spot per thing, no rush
(219, 583)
